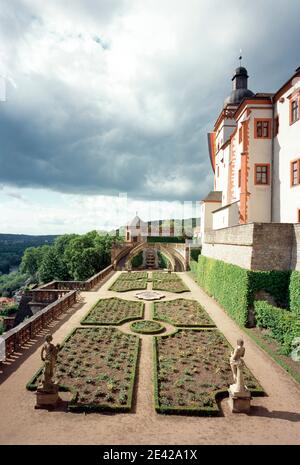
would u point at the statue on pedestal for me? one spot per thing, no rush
(47, 391)
(239, 395)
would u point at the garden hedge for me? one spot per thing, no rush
(294, 291)
(284, 325)
(228, 284)
(234, 287)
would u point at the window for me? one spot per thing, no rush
(262, 129)
(294, 110)
(240, 134)
(295, 172)
(262, 174)
(239, 178)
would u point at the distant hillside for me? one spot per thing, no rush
(12, 247)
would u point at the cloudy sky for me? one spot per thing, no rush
(99, 98)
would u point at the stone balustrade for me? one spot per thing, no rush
(12, 340)
(77, 285)
(58, 296)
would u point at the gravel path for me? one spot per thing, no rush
(273, 420)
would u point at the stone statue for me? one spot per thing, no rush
(239, 395)
(47, 391)
(169, 267)
(49, 356)
(237, 362)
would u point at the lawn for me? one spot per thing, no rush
(98, 366)
(191, 369)
(113, 311)
(182, 312)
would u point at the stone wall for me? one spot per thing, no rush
(256, 246)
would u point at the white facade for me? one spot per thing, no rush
(255, 154)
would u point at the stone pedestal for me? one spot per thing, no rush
(239, 401)
(46, 398)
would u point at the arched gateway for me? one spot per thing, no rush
(175, 253)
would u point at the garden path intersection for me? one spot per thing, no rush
(274, 419)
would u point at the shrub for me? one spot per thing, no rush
(294, 290)
(284, 325)
(9, 310)
(137, 260)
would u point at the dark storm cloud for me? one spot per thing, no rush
(70, 139)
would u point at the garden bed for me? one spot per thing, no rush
(133, 275)
(192, 370)
(98, 365)
(169, 282)
(182, 312)
(147, 327)
(113, 311)
(130, 282)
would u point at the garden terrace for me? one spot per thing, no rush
(98, 366)
(191, 370)
(113, 311)
(169, 282)
(182, 312)
(130, 282)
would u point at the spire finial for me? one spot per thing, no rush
(240, 57)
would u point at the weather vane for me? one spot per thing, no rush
(240, 57)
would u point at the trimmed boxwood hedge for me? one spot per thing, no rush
(294, 291)
(284, 325)
(234, 287)
(228, 284)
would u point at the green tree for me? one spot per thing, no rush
(32, 259)
(50, 267)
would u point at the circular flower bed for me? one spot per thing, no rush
(147, 327)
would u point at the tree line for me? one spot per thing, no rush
(70, 257)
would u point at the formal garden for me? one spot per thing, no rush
(190, 361)
(169, 282)
(192, 372)
(98, 366)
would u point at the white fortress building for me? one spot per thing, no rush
(255, 155)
